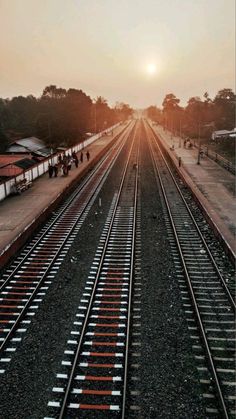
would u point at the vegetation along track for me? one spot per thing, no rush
(96, 364)
(208, 302)
(24, 282)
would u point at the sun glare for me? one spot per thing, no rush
(151, 69)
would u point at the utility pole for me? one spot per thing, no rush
(172, 136)
(199, 144)
(180, 132)
(50, 138)
(95, 117)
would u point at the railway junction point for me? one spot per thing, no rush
(214, 186)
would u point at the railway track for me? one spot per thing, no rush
(93, 381)
(207, 300)
(24, 283)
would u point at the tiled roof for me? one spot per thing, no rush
(30, 144)
(25, 163)
(45, 152)
(6, 159)
(10, 170)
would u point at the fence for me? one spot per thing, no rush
(40, 168)
(211, 154)
(219, 159)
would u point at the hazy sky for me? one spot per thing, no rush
(134, 51)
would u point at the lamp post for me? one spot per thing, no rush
(180, 132)
(165, 122)
(49, 137)
(199, 144)
(171, 133)
(94, 116)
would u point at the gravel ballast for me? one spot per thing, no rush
(168, 383)
(168, 380)
(26, 387)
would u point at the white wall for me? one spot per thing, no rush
(41, 168)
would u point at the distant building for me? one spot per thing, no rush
(224, 134)
(11, 166)
(30, 145)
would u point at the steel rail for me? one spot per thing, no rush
(86, 319)
(32, 296)
(131, 285)
(200, 324)
(231, 300)
(74, 195)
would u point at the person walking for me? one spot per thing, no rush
(69, 163)
(88, 155)
(65, 169)
(50, 170)
(75, 158)
(65, 165)
(56, 170)
(81, 156)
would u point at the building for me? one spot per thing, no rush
(224, 134)
(31, 145)
(14, 165)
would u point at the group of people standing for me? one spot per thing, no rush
(52, 170)
(187, 143)
(64, 163)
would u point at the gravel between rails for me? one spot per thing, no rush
(26, 386)
(168, 385)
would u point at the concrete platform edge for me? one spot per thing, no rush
(15, 245)
(201, 200)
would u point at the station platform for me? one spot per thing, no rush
(21, 214)
(213, 184)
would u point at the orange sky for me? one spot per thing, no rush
(133, 51)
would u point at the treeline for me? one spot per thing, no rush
(200, 117)
(59, 116)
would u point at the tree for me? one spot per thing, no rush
(154, 114)
(53, 92)
(78, 113)
(3, 140)
(200, 116)
(101, 114)
(194, 113)
(59, 116)
(170, 103)
(171, 111)
(225, 109)
(207, 98)
(123, 111)
(225, 96)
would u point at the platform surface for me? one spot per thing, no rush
(19, 211)
(215, 184)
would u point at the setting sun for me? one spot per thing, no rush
(151, 68)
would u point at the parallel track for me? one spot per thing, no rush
(94, 383)
(26, 280)
(210, 301)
